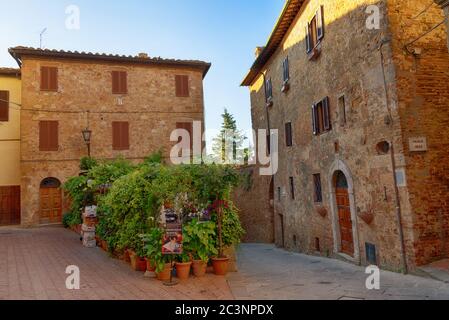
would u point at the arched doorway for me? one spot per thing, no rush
(50, 201)
(344, 213)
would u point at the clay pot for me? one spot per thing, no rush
(199, 268)
(220, 266)
(368, 217)
(137, 263)
(183, 270)
(149, 265)
(104, 245)
(164, 275)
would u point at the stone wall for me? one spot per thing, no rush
(85, 99)
(349, 65)
(255, 206)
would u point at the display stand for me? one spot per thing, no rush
(172, 282)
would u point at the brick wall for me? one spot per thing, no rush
(85, 99)
(423, 100)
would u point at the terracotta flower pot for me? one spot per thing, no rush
(183, 270)
(138, 263)
(199, 268)
(164, 275)
(126, 256)
(149, 265)
(220, 266)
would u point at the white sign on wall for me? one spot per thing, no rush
(418, 144)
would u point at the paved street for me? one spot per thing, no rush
(270, 273)
(33, 263)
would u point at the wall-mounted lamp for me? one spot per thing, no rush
(87, 135)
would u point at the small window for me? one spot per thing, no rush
(288, 134)
(268, 90)
(268, 144)
(182, 86)
(120, 135)
(4, 105)
(292, 188)
(286, 70)
(48, 136)
(119, 82)
(342, 111)
(318, 198)
(321, 117)
(279, 194)
(315, 30)
(49, 79)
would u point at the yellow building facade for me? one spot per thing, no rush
(10, 101)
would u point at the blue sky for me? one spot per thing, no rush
(223, 32)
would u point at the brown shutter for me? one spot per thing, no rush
(288, 134)
(123, 82)
(48, 136)
(4, 105)
(326, 114)
(115, 82)
(182, 85)
(53, 79)
(186, 126)
(314, 119)
(116, 135)
(320, 23)
(124, 132)
(45, 78)
(308, 42)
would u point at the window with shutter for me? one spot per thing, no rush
(288, 134)
(119, 82)
(286, 69)
(315, 30)
(292, 188)
(49, 79)
(120, 135)
(4, 105)
(320, 23)
(48, 136)
(318, 194)
(268, 90)
(182, 86)
(321, 117)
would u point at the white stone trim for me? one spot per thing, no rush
(339, 165)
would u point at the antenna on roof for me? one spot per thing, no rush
(40, 37)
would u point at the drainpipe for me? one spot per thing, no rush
(398, 208)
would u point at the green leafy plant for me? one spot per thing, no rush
(199, 240)
(88, 163)
(153, 249)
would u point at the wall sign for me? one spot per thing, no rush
(418, 144)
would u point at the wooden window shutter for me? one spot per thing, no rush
(4, 105)
(189, 127)
(308, 39)
(120, 135)
(326, 114)
(314, 119)
(182, 85)
(48, 136)
(49, 79)
(320, 23)
(119, 82)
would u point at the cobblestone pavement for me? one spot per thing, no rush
(270, 273)
(33, 264)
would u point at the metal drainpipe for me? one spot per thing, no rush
(393, 164)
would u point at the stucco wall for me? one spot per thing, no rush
(10, 134)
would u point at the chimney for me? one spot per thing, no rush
(258, 51)
(143, 55)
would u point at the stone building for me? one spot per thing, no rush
(10, 99)
(358, 90)
(129, 104)
(444, 4)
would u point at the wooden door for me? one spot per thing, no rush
(9, 205)
(344, 218)
(51, 205)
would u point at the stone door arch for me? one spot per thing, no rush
(340, 173)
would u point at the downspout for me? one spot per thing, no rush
(393, 164)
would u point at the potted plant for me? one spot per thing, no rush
(153, 253)
(199, 244)
(137, 262)
(229, 233)
(183, 266)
